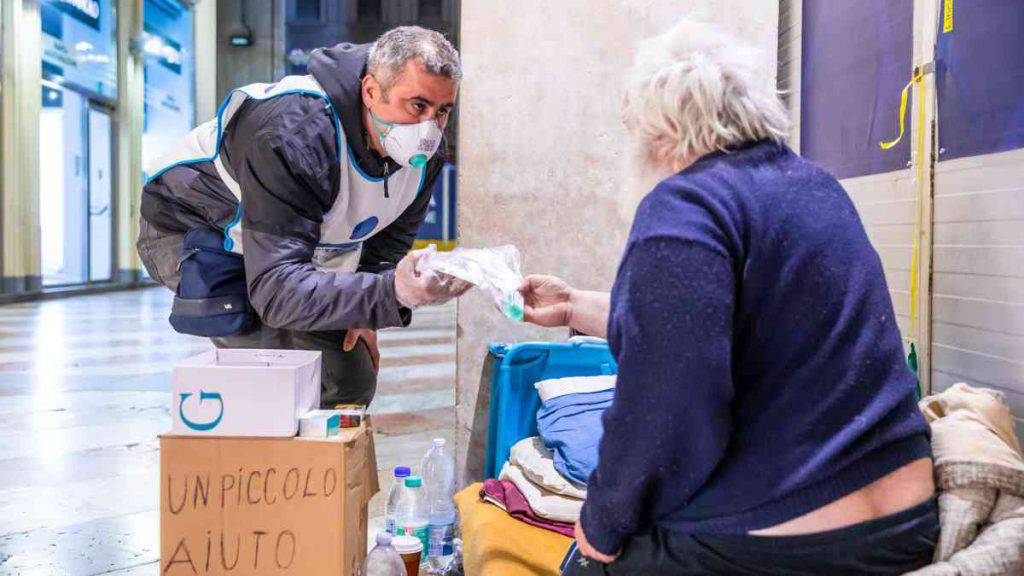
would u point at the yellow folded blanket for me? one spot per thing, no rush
(494, 543)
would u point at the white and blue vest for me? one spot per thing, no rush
(361, 209)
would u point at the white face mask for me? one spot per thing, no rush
(410, 145)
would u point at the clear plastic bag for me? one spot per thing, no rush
(493, 270)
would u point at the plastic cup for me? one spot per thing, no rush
(411, 550)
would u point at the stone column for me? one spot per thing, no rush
(20, 102)
(130, 106)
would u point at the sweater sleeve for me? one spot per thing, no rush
(669, 423)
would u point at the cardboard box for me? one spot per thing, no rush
(245, 392)
(258, 506)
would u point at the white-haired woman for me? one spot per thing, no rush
(764, 420)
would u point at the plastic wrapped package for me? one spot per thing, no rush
(494, 270)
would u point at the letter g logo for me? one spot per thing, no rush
(202, 427)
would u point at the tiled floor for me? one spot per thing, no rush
(83, 396)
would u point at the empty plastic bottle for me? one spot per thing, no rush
(412, 513)
(384, 560)
(438, 471)
(397, 491)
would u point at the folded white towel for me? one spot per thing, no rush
(537, 464)
(545, 504)
(556, 387)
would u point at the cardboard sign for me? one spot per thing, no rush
(259, 506)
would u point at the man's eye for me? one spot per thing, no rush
(443, 112)
(418, 106)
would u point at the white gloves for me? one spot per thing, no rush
(415, 289)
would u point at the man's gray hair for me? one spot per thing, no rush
(394, 48)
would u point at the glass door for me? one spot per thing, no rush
(63, 186)
(76, 189)
(79, 75)
(101, 196)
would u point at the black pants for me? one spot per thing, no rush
(894, 544)
(345, 378)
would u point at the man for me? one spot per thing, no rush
(324, 179)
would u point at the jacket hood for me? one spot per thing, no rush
(340, 70)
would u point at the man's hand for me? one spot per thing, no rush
(414, 288)
(589, 551)
(548, 301)
(368, 336)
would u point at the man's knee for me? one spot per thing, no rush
(346, 377)
(160, 253)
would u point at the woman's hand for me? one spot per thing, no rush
(547, 301)
(550, 302)
(589, 551)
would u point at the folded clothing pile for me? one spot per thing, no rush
(544, 481)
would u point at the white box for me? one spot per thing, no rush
(320, 424)
(238, 392)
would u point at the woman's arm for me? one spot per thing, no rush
(551, 303)
(669, 424)
(589, 312)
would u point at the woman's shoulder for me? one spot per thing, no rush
(689, 199)
(676, 216)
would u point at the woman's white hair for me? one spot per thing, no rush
(696, 89)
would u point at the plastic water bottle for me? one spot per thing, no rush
(412, 512)
(397, 491)
(439, 472)
(439, 480)
(384, 560)
(441, 533)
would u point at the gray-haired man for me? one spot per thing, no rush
(324, 179)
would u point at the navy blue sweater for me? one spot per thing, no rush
(761, 372)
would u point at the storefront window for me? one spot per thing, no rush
(169, 77)
(79, 45)
(79, 87)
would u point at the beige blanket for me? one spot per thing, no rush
(979, 473)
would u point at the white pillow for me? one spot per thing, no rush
(556, 387)
(545, 504)
(537, 464)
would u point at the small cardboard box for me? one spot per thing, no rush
(260, 506)
(245, 392)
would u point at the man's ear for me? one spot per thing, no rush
(371, 90)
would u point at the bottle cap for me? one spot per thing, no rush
(413, 482)
(383, 539)
(402, 471)
(407, 544)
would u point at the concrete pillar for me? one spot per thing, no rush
(542, 148)
(207, 96)
(19, 132)
(263, 61)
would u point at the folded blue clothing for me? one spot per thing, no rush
(570, 426)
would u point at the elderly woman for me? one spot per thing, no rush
(764, 420)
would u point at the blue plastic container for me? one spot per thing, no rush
(514, 400)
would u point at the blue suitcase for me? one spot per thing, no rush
(514, 400)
